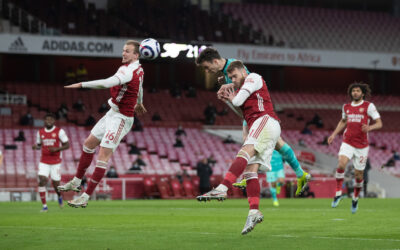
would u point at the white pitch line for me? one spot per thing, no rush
(333, 238)
(55, 228)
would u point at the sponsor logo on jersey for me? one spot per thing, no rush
(49, 142)
(355, 117)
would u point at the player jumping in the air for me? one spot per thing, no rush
(355, 118)
(254, 101)
(211, 61)
(126, 99)
(52, 140)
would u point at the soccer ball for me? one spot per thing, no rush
(149, 49)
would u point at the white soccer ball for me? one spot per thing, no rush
(149, 49)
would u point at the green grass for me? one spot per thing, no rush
(188, 224)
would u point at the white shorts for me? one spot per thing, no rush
(263, 134)
(50, 169)
(111, 128)
(358, 155)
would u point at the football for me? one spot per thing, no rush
(149, 49)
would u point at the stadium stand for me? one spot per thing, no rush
(320, 28)
(295, 108)
(177, 20)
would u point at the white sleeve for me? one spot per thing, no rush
(252, 83)
(103, 83)
(62, 136)
(372, 112)
(124, 74)
(344, 116)
(38, 141)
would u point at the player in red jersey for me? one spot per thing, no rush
(355, 118)
(255, 103)
(126, 99)
(52, 140)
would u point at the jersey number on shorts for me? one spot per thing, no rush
(110, 135)
(363, 159)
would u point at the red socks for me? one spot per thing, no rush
(97, 175)
(236, 169)
(42, 193)
(253, 193)
(339, 181)
(84, 162)
(357, 188)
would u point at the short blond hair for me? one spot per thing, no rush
(135, 44)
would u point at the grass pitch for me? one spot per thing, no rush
(188, 224)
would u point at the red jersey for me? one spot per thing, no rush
(51, 138)
(356, 115)
(125, 95)
(259, 102)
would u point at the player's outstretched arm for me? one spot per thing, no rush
(74, 86)
(341, 125)
(97, 84)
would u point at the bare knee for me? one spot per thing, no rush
(252, 167)
(343, 160)
(359, 174)
(42, 181)
(279, 144)
(91, 142)
(105, 154)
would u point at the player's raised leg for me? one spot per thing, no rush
(99, 172)
(112, 129)
(89, 148)
(289, 156)
(235, 170)
(343, 160)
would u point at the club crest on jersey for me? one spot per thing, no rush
(42, 136)
(53, 135)
(361, 110)
(347, 111)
